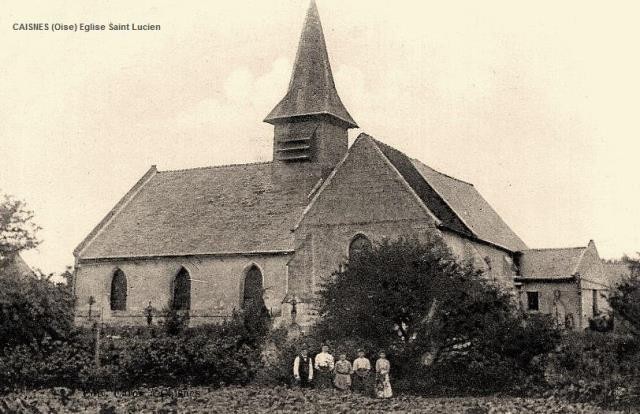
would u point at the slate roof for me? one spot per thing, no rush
(235, 208)
(457, 204)
(312, 90)
(550, 263)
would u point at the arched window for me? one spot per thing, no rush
(252, 292)
(118, 291)
(359, 244)
(181, 291)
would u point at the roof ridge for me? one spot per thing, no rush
(211, 167)
(441, 173)
(554, 248)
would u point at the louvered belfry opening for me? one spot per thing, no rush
(295, 142)
(310, 121)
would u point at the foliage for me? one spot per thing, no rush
(419, 303)
(33, 308)
(625, 299)
(213, 355)
(253, 399)
(175, 321)
(17, 229)
(596, 367)
(46, 362)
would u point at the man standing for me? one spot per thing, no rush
(303, 369)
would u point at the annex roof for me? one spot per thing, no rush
(550, 263)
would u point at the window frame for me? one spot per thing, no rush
(533, 294)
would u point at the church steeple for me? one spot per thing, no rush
(312, 90)
(311, 122)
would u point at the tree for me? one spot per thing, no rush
(17, 229)
(417, 300)
(402, 289)
(625, 298)
(32, 306)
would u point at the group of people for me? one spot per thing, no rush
(324, 372)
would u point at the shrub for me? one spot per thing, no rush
(597, 367)
(48, 363)
(416, 300)
(209, 355)
(32, 309)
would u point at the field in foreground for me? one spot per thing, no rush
(267, 400)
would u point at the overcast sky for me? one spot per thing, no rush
(536, 103)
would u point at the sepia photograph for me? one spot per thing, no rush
(319, 206)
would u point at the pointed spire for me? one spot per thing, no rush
(312, 90)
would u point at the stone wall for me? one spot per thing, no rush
(216, 286)
(367, 196)
(496, 264)
(594, 284)
(557, 299)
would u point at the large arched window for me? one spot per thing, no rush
(359, 244)
(252, 292)
(181, 291)
(118, 297)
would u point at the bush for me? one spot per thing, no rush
(208, 355)
(32, 309)
(48, 363)
(417, 301)
(596, 367)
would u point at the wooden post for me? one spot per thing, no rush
(97, 350)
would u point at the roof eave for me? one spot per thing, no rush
(477, 239)
(279, 119)
(176, 255)
(563, 279)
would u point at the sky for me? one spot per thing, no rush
(536, 103)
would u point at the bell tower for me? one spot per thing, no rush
(310, 123)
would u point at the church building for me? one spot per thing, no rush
(213, 240)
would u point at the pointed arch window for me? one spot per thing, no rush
(118, 296)
(252, 292)
(181, 291)
(359, 244)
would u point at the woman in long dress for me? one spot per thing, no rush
(342, 380)
(383, 382)
(324, 364)
(361, 374)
